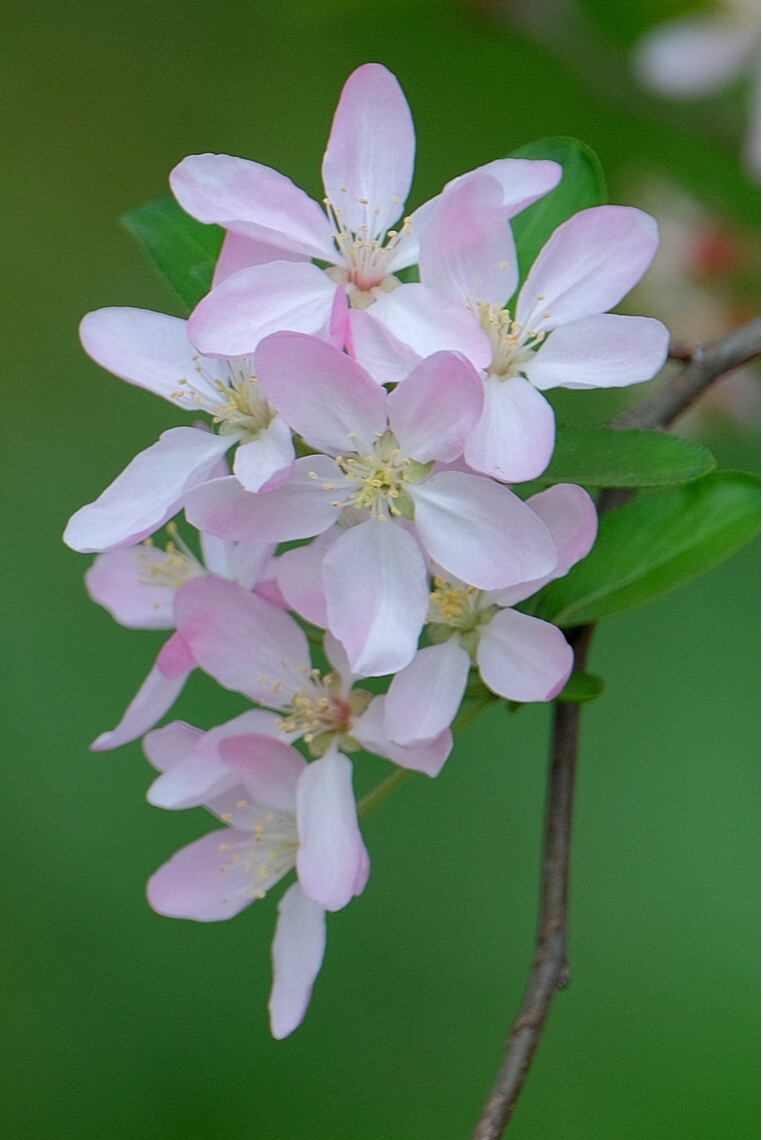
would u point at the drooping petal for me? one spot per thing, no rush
(258, 301)
(480, 531)
(298, 948)
(153, 699)
(514, 438)
(199, 774)
(522, 658)
(467, 250)
(151, 350)
(244, 642)
(424, 697)
(368, 165)
(202, 881)
(266, 459)
(132, 586)
(377, 596)
(149, 491)
(300, 508)
(693, 55)
(427, 756)
(603, 351)
(330, 843)
(432, 412)
(429, 322)
(322, 393)
(252, 200)
(587, 266)
(268, 768)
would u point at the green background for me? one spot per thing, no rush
(118, 1023)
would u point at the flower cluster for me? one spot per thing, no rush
(378, 422)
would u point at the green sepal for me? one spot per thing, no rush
(601, 457)
(653, 544)
(182, 250)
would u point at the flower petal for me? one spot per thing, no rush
(239, 252)
(480, 531)
(587, 265)
(330, 844)
(693, 55)
(430, 322)
(424, 697)
(149, 491)
(377, 596)
(432, 412)
(427, 756)
(252, 200)
(268, 768)
(298, 948)
(522, 658)
(156, 695)
(165, 747)
(368, 165)
(202, 882)
(514, 438)
(129, 584)
(385, 358)
(258, 461)
(603, 351)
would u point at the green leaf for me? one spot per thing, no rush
(653, 544)
(580, 688)
(183, 250)
(582, 185)
(600, 457)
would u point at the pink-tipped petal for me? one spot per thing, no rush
(321, 392)
(149, 491)
(368, 165)
(480, 531)
(153, 699)
(298, 948)
(522, 658)
(252, 200)
(432, 412)
(255, 302)
(377, 596)
(587, 266)
(514, 438)
(175, 657)
(330, 843)
(603, 351)
(424, 697)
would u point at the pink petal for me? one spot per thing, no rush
(298, 948)
(385, 358)
(149, 491)
(466, 249)
(522, 658)
(127, 583)
(175, 657)
(255, 302)
(199, 774)
(426, 756)
(165, 747)
(242, 641)
(300, 508)
(330, 843)
(239, 252)
(252, 200)
(480, 531)
(257, 461)
(268, 768)
(514, 438)
(587, 265)
(300, 577)
(153, 699)
(432, 412)
(424, 697)
(377, 596)
(603, 351)
(201, 881)
(368, 165)
(429, 322)
(322, 393)
(149, 349)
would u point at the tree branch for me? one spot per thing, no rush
(550, 968)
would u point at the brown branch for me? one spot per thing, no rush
(550, 968)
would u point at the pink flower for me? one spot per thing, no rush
(284, 813)
(560, 334)
(367, 172)
(518, 657)
(379, 457)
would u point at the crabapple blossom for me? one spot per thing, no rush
(282, 813)
(379, 456)
(367, 172)
(518, 657)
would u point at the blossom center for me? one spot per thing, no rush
(235, 402)
(170, 569)
(513, 345)
(266, 850)
(321, 712)
(365, 254)
(463, 609)
(380, 480)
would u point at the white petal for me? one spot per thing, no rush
(298, 948)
